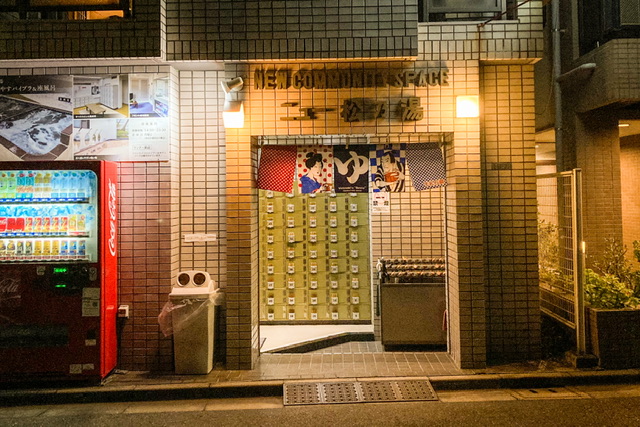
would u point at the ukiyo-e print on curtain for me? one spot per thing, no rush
(388, 167)
(314, 169)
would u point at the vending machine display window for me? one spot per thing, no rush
(48, 215)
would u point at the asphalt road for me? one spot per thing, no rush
(572, 406)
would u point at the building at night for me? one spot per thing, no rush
(345, 82)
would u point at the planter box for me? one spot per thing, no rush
(614, 337)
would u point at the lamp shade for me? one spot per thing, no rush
(233, 114)
(467, 106)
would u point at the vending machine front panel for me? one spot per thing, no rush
(58, 278)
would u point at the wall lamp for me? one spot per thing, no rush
(233, 110)
(467, 106)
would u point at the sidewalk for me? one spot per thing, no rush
(273, 370)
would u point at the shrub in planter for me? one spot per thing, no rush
(613, 320)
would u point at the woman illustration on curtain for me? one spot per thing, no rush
(311, 180)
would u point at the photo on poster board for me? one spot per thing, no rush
(100, 97)
(108, 125)
(351, 170)
(103, 139)
(388, 168)
(314, 173)
(35, 117)
(149, 95)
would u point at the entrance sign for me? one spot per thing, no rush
(347, 78)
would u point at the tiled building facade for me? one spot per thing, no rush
(599, 96)
(488, 228)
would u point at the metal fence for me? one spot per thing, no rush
(561, 251)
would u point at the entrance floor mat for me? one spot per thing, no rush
(313, 393)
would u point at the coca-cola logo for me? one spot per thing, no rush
(112, 202)
(10, 292)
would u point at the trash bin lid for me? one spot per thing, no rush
(193, 284)
(192, 293)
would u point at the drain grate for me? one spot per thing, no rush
(308, 393)
(547, 393)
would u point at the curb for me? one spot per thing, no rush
(545, 380)
(185, 391)
(141, 393)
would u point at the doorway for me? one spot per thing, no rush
(319, 256)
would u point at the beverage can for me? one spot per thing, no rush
(19, 248)
(37, 248)
(82, 247)
(55, 247)
(37, 225)
(28, 248)
(63, 224)
(46, 225)
(19, 224)
(28, 225)
(54, 225)
(3, 249)
(11, 249)
(64, 247)
(46, 247)
(73, 248)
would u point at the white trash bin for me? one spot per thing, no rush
(193, 322)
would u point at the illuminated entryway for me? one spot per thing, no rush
(319, 253)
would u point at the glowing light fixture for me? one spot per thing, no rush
(467, 106)
(624, 125)
(233, 114)
(233, 110)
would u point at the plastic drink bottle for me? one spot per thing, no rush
(46, 184)
(12, 184)
(55, 185)
(63, 185)
(4, 180)
(29, 184)
(38, 189)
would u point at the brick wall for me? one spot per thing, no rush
(510, 214)
(330, 29)
(141, 37)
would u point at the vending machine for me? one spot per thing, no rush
(58, 270)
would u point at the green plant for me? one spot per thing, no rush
(616, 284)
(607, 291)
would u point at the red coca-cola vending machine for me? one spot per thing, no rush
(58, 270)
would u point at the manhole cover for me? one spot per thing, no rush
(307, 393)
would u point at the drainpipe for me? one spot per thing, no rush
(555, 39)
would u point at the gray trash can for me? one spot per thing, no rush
(193, 322)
